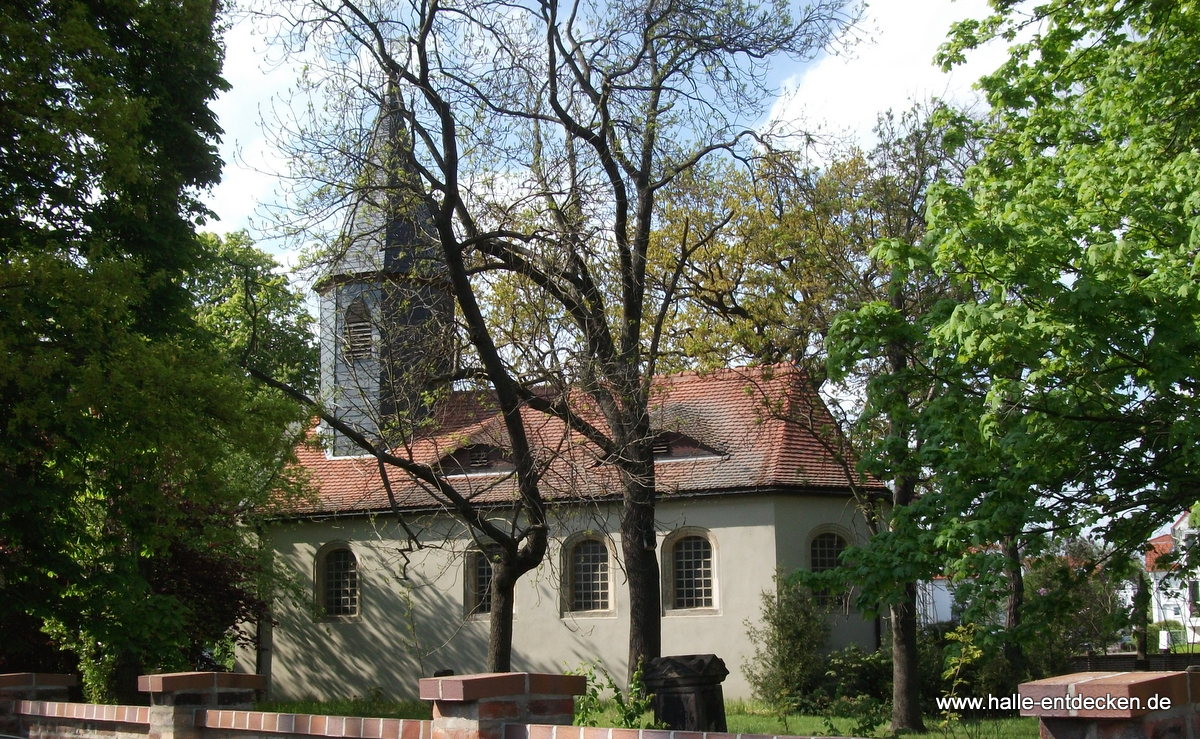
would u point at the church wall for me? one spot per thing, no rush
(810, 517)
(410, 627)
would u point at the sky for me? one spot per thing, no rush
(843, 94)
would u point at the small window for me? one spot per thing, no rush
(588, 576)
(476, 459)
(692, 572)
(479, 582)
(358, 334)
(340, 583)
(667, 446)
(479, 456)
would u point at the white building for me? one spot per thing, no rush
(742, 496)
(1175, 590)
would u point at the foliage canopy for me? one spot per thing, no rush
(1079, 230)
(131, 439)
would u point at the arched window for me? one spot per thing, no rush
(691, 580)
(587, 576)
(478, 577)
(825, 551)
(337, 582)
(358, 337)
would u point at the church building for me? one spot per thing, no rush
(385, 585)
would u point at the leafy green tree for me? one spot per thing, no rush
(813, 280)
(131, 439)
(1078, 228)
(244, 297)
(1090, 581)
(1067, 398)
(1071, 605)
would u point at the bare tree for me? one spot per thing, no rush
(541, 137)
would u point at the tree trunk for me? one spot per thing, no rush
(1141, 615)
(906, 682)
(1013, 652)
(645, 599)
(639, 543)
(906, 678)
(500, 635)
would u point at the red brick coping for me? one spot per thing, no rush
(85, 711)
(26, 680)
(1122, 686)
(465, 688)
(172, 682)
(311, 725)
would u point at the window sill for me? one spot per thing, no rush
(339, 619)
(606, 613)
(688, 612)
(486, 616)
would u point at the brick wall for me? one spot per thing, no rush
(1115, 705)
(205, 705)
(60, 720)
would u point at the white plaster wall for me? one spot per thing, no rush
(803, 518)
(935, 602)
(410, 626)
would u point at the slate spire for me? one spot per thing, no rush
(387, 337)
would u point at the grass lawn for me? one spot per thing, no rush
(741, 717)
(1006, 728)
(745, 718)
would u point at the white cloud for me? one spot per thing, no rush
(251, 161)
(891, 69)
(838, 94)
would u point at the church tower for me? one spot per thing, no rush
(386, 311)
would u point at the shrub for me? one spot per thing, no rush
(1174, 627)
(788, 666)
(853, 672)
(625, 709)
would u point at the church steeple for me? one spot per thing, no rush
(386, 310)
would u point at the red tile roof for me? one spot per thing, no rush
(1160, 546)
(758, 420)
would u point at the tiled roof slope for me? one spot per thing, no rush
(1160, 546)
(738, 413)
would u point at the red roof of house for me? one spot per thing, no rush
(1160, 546)
(757, 422)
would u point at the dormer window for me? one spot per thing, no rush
(662, 446)
(670, 445)
(476, 459)
(358, 336)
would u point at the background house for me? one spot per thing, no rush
(1174, 588)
